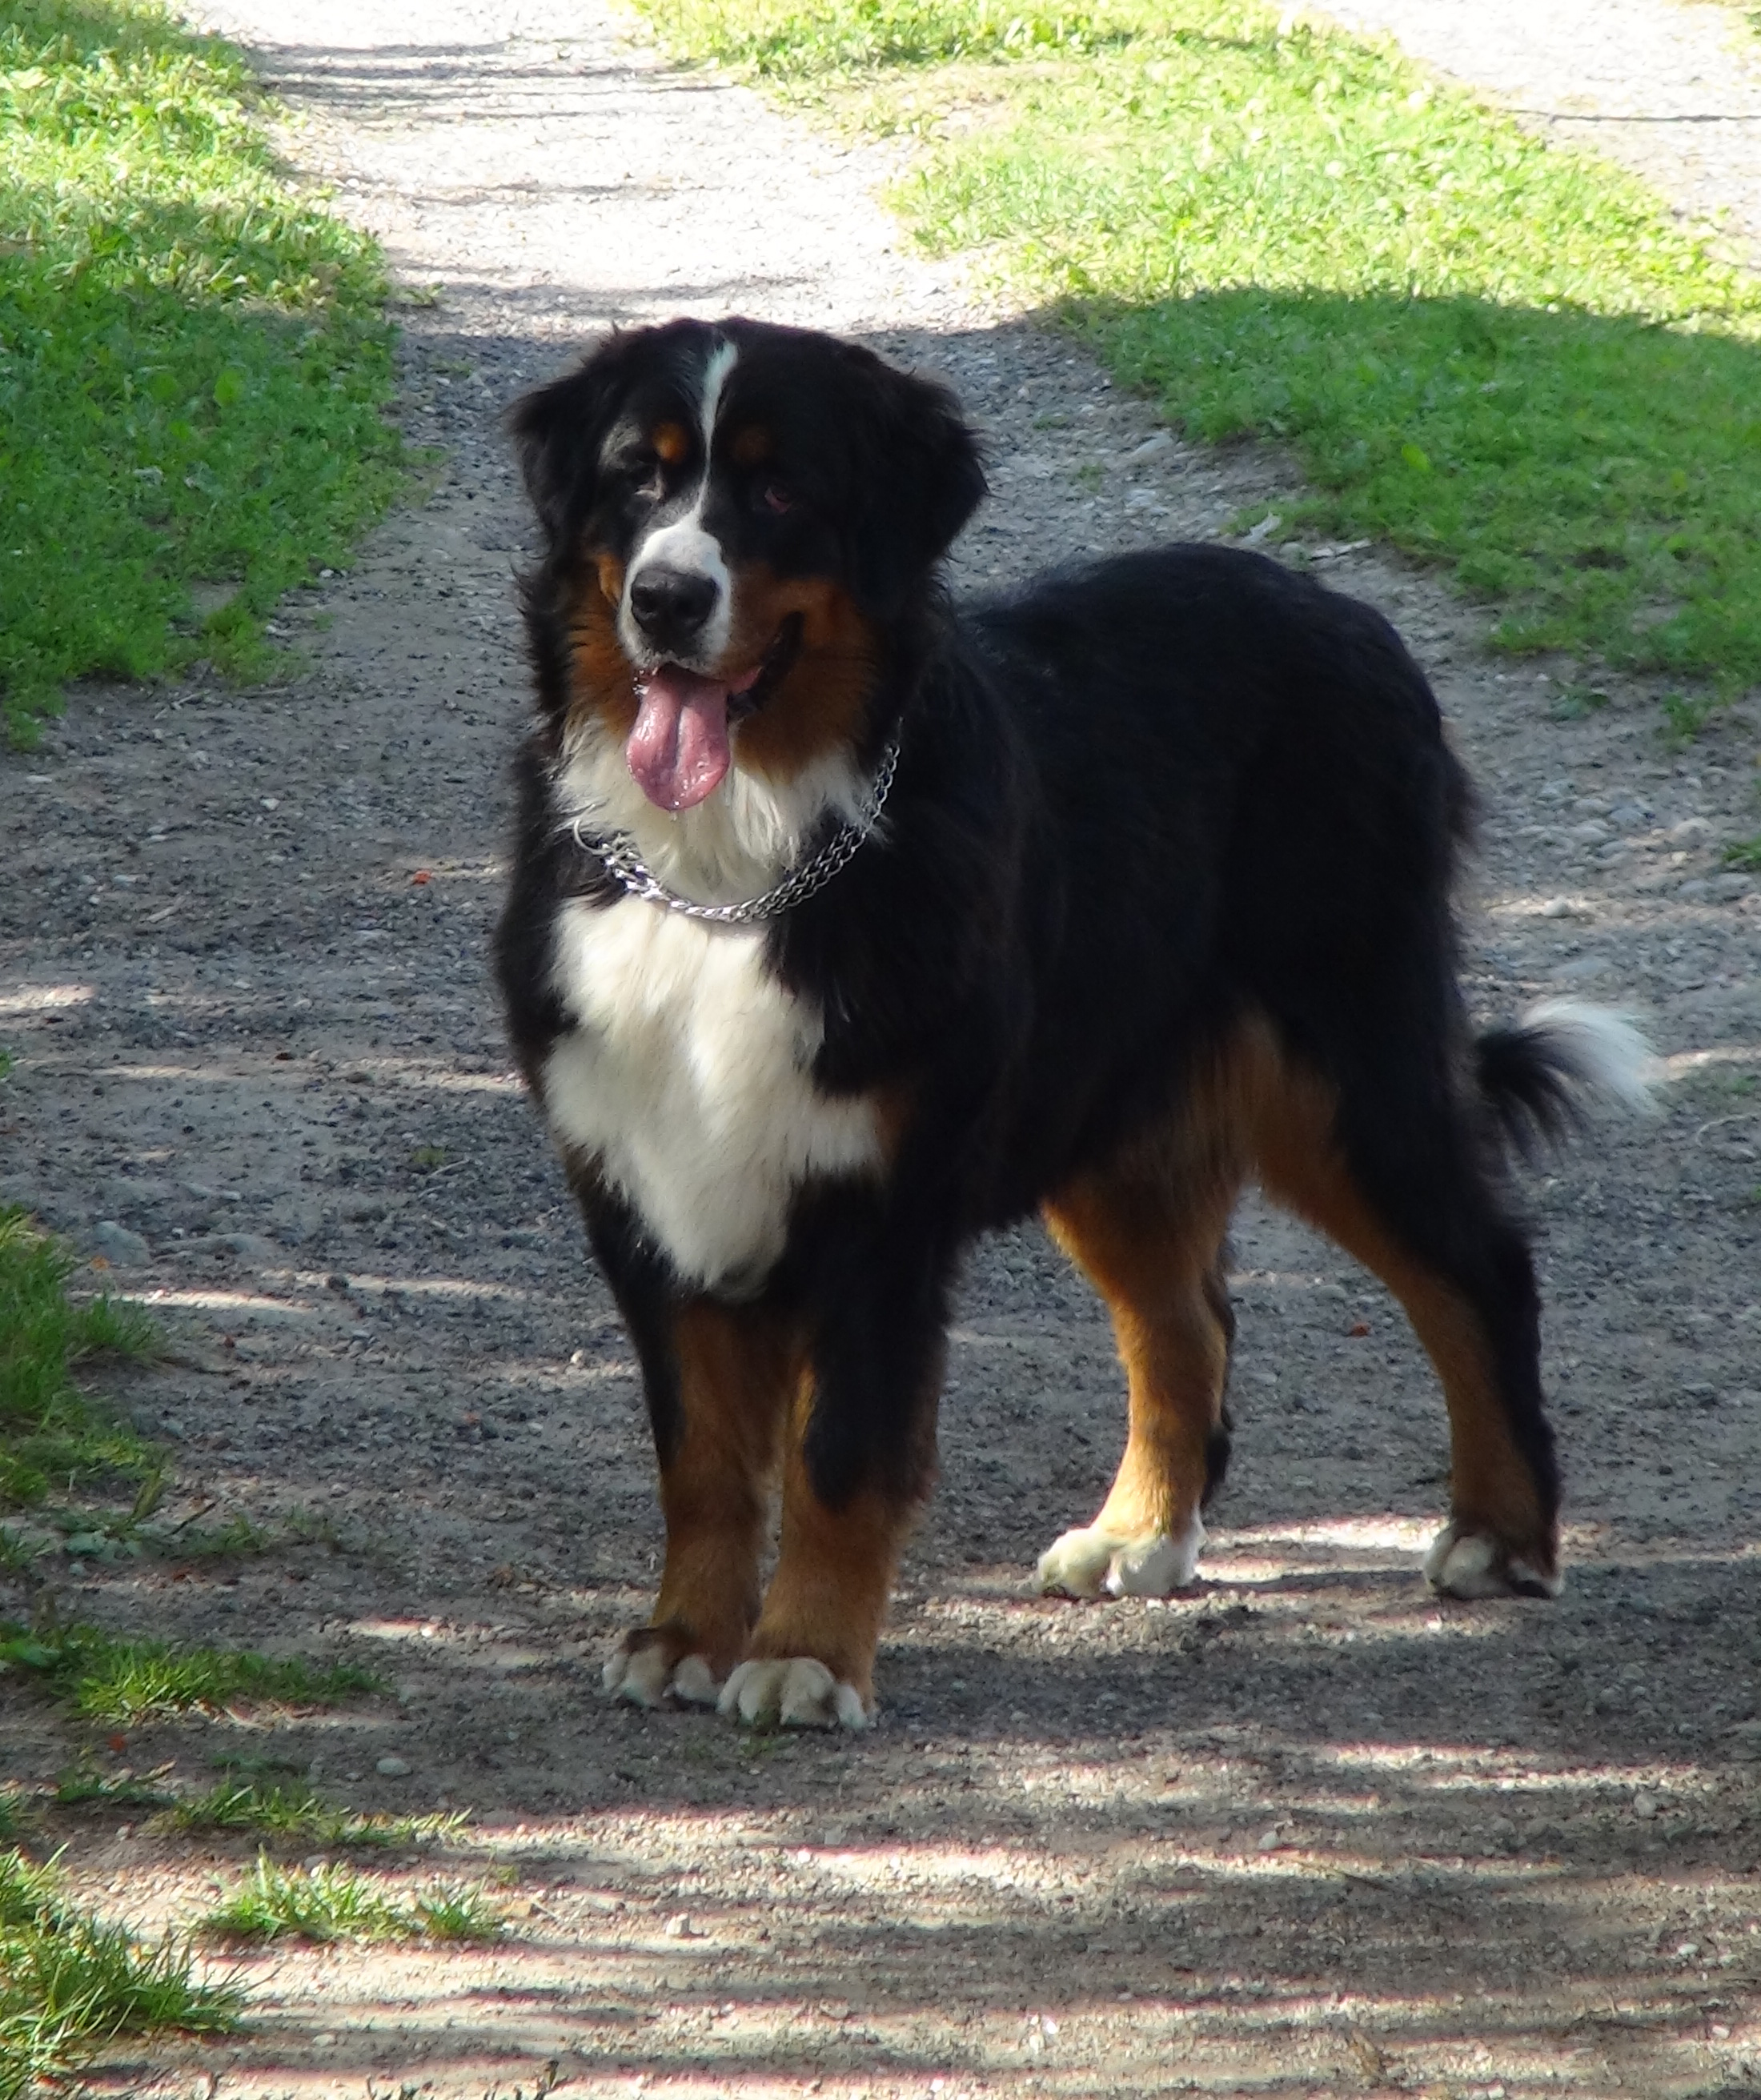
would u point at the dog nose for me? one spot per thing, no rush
(670, 606)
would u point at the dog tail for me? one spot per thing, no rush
(1540, 1076)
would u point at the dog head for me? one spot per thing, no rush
(737, 515)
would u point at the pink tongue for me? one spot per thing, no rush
(678, 750)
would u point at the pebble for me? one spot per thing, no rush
(249, 1247)
(1645, 1806)
(118, 1246)
(392, 1768)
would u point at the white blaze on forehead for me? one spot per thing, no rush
(684, 544)
(721, 362)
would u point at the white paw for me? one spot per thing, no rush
(1471, 1566)
(644, 1677)
(799, 1693)
(1093, 1563)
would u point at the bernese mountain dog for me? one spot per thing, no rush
(846, 926)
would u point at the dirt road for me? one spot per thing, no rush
(1304, 1831)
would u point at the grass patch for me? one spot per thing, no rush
(292, 1813)
(194, 359)
(1498, 355)
(127, 1682)
(1744, 853)
(233, 1540)
(50, 1431)
(69, 1983)
(83, 1785)
(331, 1903)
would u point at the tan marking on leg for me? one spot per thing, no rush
(1300, 1164)
(737, 1368)
(834, 1574)
(1147, 1237)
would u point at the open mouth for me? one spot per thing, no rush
(678, 750)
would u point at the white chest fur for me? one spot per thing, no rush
(688, 1075)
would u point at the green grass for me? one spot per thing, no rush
(69, 1983)
(1499, 355)
(128, 1681)
(329, 1902)
(50, 1433)
(292, 1813)
(83, 1785)
(194, 359)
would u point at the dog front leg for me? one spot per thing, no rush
(859, 1454)
(718, 1380)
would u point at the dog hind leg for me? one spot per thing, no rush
(1401, 1185)
(1156, 1255)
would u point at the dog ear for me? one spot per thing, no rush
(558, 430)
(921, 478)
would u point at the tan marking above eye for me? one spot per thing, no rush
(752, 444)
(671, 441)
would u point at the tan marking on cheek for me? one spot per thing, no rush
(752, 445)
(820, 707)
(671, 441)
(602, 681)
(894, 1106)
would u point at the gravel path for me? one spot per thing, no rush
(1304, 1831)
(1671, 89)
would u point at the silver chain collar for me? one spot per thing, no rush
(617, 850)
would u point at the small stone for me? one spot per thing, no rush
(1689, 832)
(249, 1247)
(323, 2041)
(1151, 448)
(1727, 888)
(118, 1246)
(392, 1768)
(1592, 832)
(1694, 888)
(683, 1928)
(1645, 1806)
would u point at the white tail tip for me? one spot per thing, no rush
(1602, 1049)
